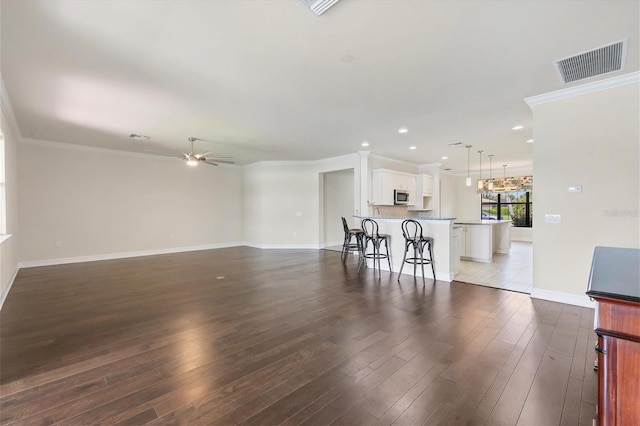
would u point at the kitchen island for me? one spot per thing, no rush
(480, 239)
(444, 249)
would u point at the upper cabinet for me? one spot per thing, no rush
(427, 185)
(385, 181)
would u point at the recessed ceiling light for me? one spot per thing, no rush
(403, 130)
(518, 127)
(529, 140)
(445, 158)
(412, 147)
(139, 137)
(365, 143)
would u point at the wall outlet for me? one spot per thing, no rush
(552, 218)
(295, 234)
(298, 214)
(58, 244)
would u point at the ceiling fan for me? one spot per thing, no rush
(195, 159)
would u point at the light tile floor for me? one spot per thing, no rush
(512, 271)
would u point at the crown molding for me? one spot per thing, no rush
(7, 110)
(596, 86)
(98, 150)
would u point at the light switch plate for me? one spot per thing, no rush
(575, 188)
(552, 218)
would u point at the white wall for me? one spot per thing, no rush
(448, 198)
(590, 140)
(338, 200)
(106, 202)
(9, 248)
(285, 189)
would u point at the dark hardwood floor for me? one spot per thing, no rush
(265, 337)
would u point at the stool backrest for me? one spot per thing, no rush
(411, 229)
(370, 228)
(345, 226)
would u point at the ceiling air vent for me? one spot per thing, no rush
(603, 60)
(319, 6)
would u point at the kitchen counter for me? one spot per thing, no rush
(482, 238)
(446, 257)
(481, 222)
(404, 218)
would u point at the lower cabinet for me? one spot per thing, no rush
(476, 243)
(618, 362)
(456, 245)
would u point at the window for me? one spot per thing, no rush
(516, 206)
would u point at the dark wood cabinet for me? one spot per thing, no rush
(615, 286)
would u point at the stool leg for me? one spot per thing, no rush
(386, 246)
(433, 268)
(404, 258)
(421, 248)
(345, 244)
(416, 252)
(376, 255)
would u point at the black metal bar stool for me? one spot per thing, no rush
(348, 245)
(412, 232)
(370, 228)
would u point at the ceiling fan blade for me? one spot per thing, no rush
(202, 154)
(219, 161)
(210, 163)
(220, 157)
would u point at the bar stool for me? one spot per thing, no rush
(412, 232)
(370, 228)
(348, 245)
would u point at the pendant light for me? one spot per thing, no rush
(468, 181)
(480, 183)
(490, 184)
(504, 177)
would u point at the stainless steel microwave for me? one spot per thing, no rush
(400, 197)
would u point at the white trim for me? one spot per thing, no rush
(332, 244)
(560, 297)
(393, 160)
(4, 237)
(5, 293)
(352, 156)
(283, 246)
(110, 256)
(99, 150)
(596, 86)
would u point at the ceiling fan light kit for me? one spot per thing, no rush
(195, 159)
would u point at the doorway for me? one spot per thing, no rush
(337, 201)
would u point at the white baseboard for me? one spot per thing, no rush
(282, 246)
(332, 244)
(110, 256)
(560, 297)
(5, 293)
(522, 240)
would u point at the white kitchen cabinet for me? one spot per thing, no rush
(476, 243)
(384, 182)
(427, 185)
(456, 247)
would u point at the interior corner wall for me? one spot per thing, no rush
(448, 205)
(76, 203)
(338, 202)
(590, 140)
(9, 248)
(284, 212)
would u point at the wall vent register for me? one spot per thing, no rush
(599, 61)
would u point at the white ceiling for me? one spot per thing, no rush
(270, 80)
